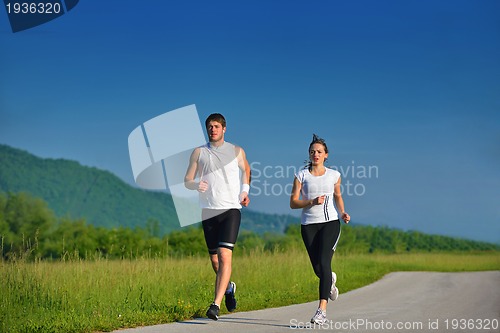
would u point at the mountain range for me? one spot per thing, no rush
(101, 198)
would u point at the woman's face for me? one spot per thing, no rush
(317, 154)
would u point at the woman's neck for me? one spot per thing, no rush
(317, 170)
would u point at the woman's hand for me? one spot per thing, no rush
(345, 217)
(318, 201)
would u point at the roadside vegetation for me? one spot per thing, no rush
(63, 275)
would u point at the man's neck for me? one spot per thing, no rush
(216, 143)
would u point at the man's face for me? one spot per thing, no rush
(215, 131)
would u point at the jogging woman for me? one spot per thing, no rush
(314, 187)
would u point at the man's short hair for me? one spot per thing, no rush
(216, 117)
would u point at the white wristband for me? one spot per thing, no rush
(245, 188)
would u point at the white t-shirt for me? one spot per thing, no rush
(315, 186)
(218, 166)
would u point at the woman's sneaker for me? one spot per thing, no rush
(334, 291)
(230, 300)
(213, 312)
(319, 317)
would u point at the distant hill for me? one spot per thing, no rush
(101, 198)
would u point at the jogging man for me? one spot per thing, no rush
(220, 172)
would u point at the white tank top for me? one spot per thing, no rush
(219, 167)
(315, 186)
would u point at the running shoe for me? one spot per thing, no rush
(230, 300)
(334, 291)
(213, 312)
(319, 317)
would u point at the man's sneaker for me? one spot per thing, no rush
(213, 312)
(334, 291)
(319, 317)
(230, 300)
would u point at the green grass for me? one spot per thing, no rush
(102, 295)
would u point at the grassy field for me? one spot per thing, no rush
(102, 295)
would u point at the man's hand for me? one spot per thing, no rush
(202, 186)
(244, 199)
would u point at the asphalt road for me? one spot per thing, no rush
(399, 302)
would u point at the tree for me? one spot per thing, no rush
(24, 221)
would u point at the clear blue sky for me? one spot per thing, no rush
(406, 94)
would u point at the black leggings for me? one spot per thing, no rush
(321, 240)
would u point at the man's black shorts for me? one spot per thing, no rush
(221, 228)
